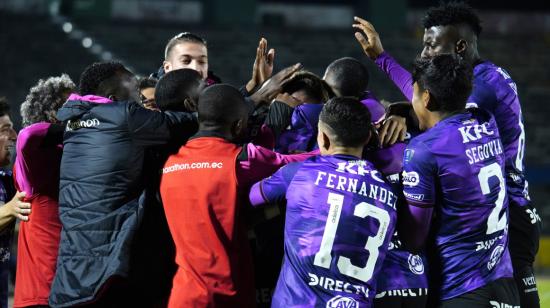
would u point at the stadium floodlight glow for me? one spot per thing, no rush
(67, 27)
(106, 56)
(87, 42)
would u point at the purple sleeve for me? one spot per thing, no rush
(400, 76)
(419, 175)
(262, 162)
(413, 226)
(28, 144)
(273, 189)
(419, 172)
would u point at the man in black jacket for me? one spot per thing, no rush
(105, 140)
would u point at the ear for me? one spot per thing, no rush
(426, 100)
(237, 128)
(324, 141)
(460, 47)
(189, 105)
(167, 66)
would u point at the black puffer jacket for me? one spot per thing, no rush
(101, 179)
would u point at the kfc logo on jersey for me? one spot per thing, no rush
(474, 132)
(410, 178)
(342, 302)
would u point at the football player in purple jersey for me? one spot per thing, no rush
(454, 28)
(454, 185)
(340, 215)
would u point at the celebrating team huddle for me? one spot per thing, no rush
(292, 191)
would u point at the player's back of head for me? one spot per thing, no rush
(147, 82)
(447, 78)
(348, 121)
(453, 13)
(178, 90)
(105, 79)
(310, 87)
(221, 105)
(45, 98)
(347, 77)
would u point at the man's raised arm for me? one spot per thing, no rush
(372, 46)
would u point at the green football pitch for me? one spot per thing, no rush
(543, 284)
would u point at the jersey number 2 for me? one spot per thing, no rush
(494, 222)
(323, 257)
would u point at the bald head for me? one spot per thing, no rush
(347, 77)
(222, 107)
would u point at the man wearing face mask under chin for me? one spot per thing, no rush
(106, 135)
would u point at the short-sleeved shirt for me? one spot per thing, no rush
(457, 167)
(340, 218)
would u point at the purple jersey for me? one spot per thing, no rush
(457, 167)
(495, 91)
(401, 269)
(302, 134)
(340, 217)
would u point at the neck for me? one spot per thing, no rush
(223, 132)
(356, 151)
(436, 117)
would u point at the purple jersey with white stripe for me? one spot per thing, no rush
(401, 269)
(340, 218)
(495, 91)
(457, 167)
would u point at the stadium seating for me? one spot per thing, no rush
(231, 50)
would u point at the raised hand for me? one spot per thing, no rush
(368, 38)
(263, 65)
(274, 85)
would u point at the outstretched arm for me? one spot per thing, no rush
(372, 46)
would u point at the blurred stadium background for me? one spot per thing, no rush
(41, 38)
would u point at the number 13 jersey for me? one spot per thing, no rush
(340, 218)
(457, 167)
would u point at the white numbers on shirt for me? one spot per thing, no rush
(323, 258)
(495, 223)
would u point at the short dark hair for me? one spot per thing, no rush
(447, 78)
(349, 119)
(177, 86)
(453, 13)
(4, 107)
(93, 79)
(314, 87)
(350, 76)
(220, 105)
(147, 82)
(182, 38)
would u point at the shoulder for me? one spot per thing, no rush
(488, 76)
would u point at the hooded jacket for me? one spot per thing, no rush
(101, 179)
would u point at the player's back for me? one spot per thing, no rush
(339, 220)
(458, 166)
(495, 91)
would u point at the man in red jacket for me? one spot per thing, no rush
(201, 187)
